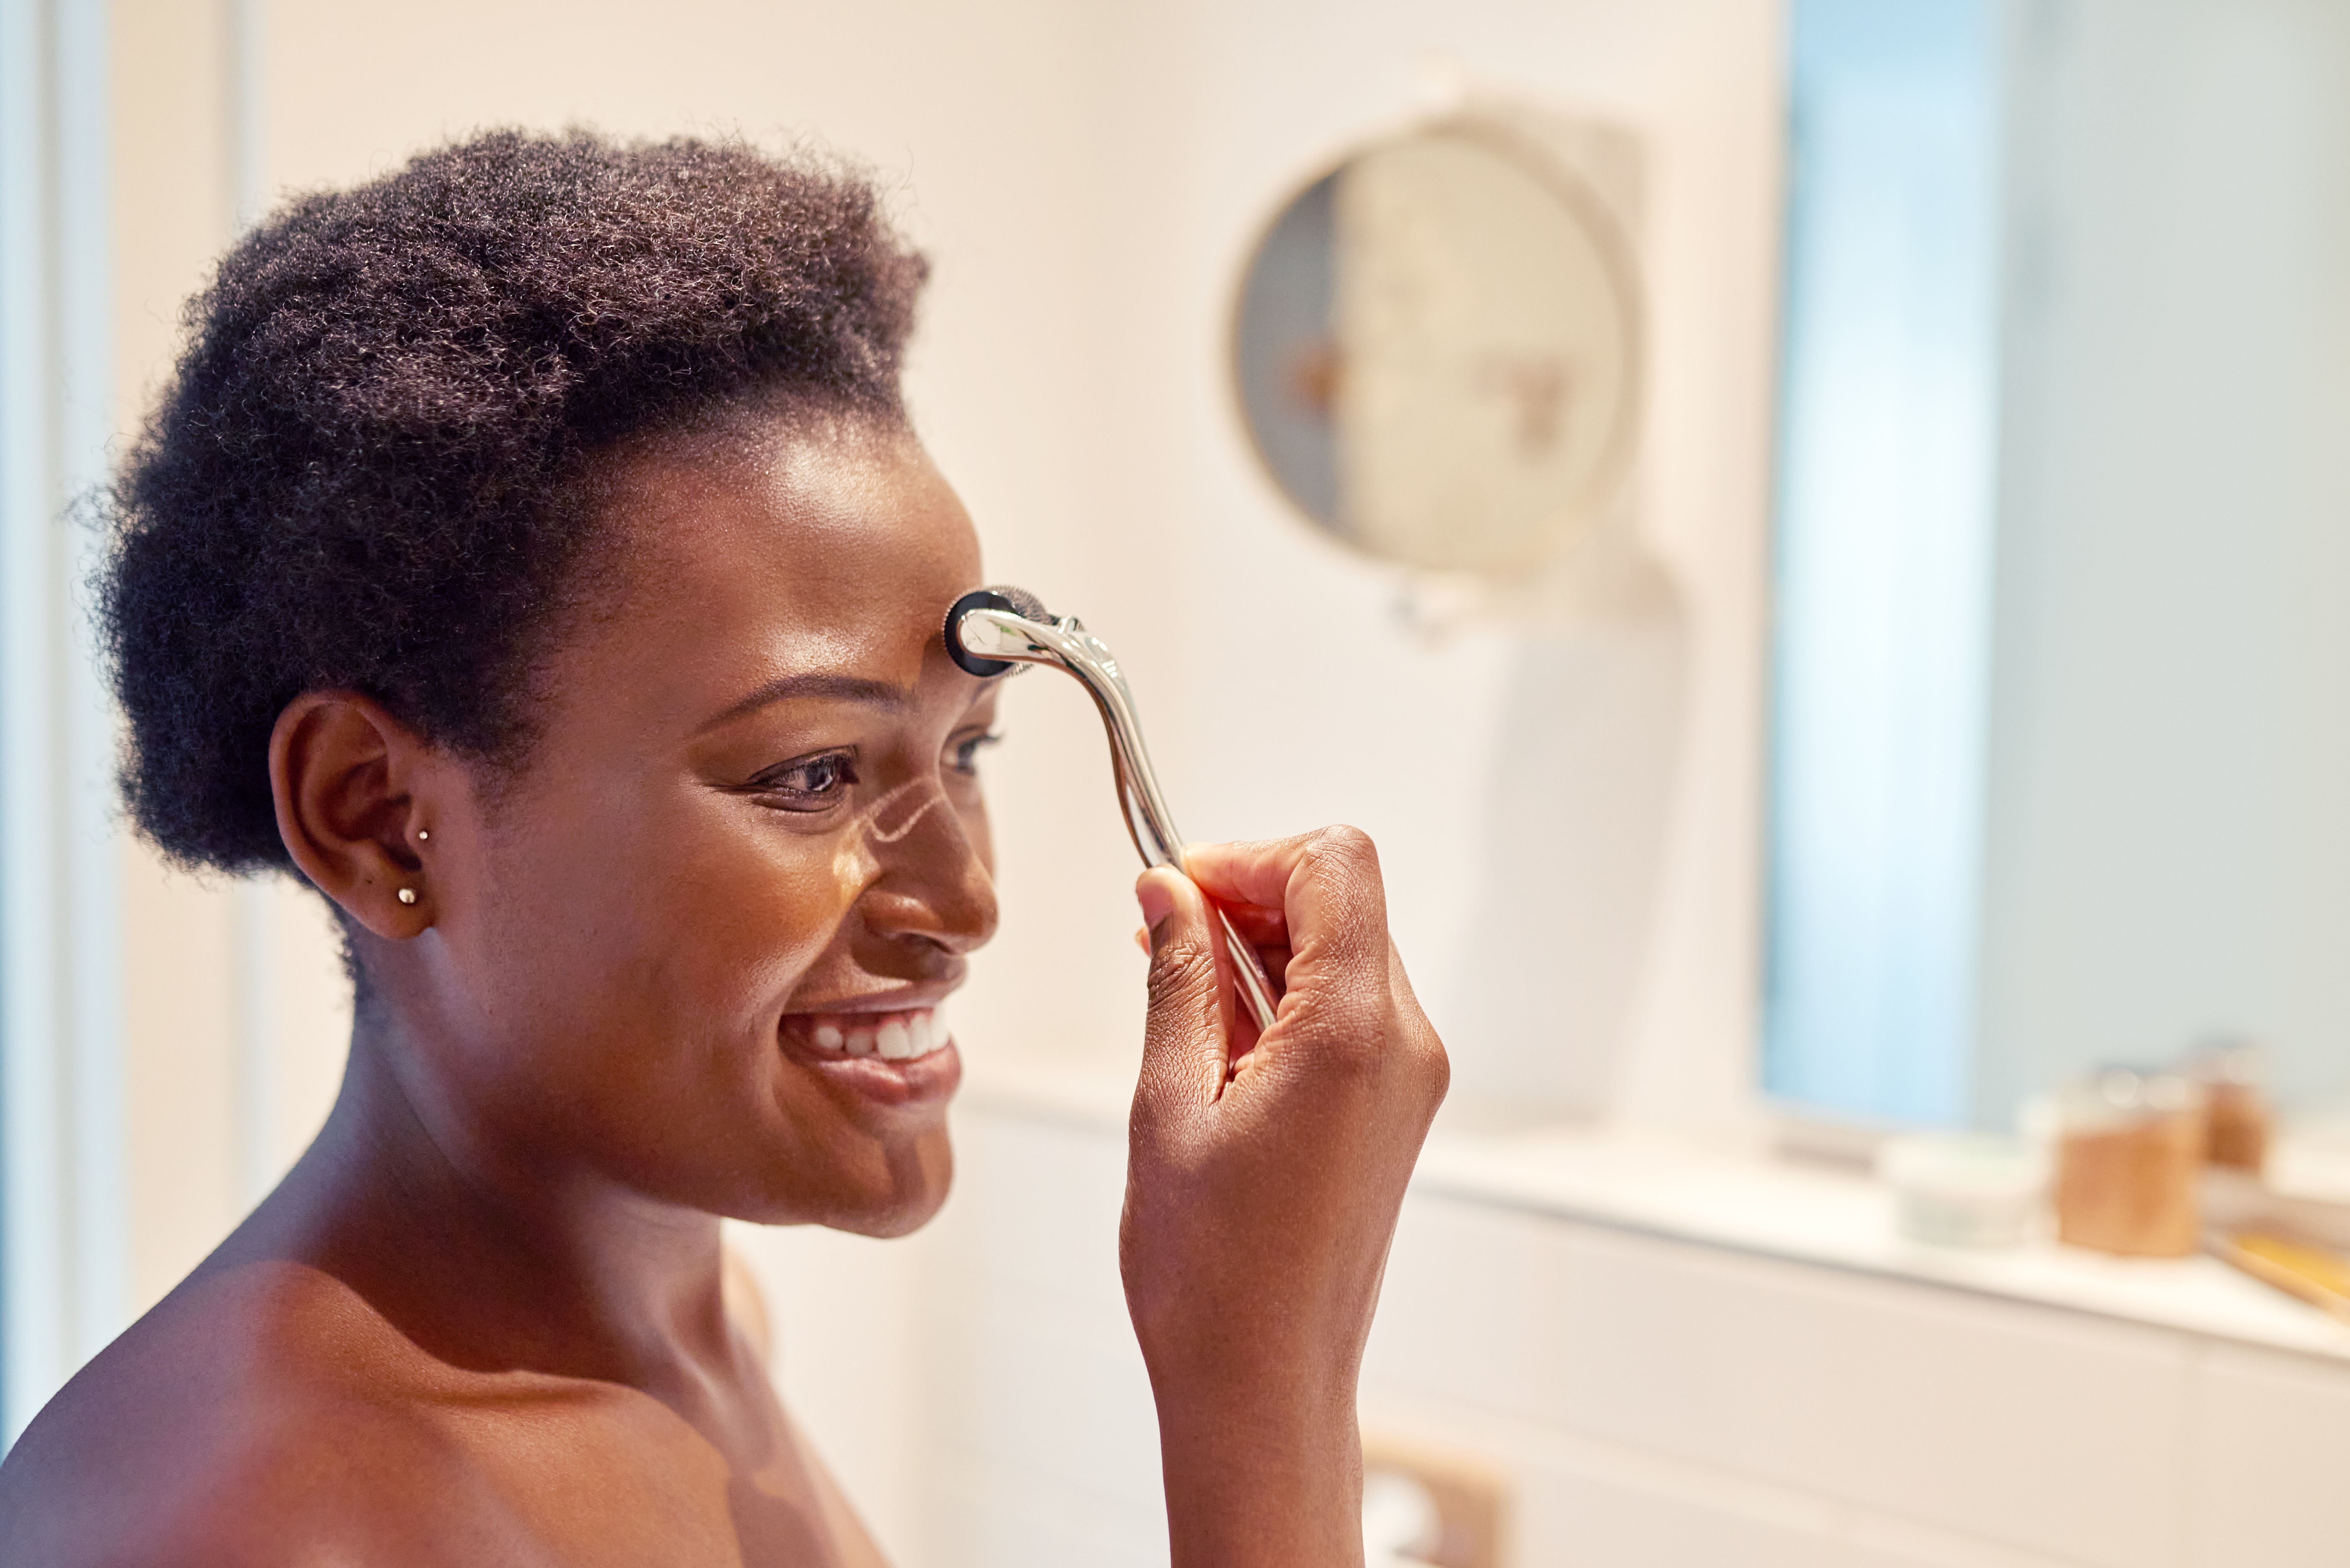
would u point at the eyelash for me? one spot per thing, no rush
(965, 752)
(963, 756)
(772, 786)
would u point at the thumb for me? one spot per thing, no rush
(1184, 1036)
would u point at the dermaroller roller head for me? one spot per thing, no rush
(993, 629)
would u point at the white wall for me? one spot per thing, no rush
(1486, 768)
(64, 1283)
(235, 1012)
(1086, 179)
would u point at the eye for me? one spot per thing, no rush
(962, 752)
(809, 783)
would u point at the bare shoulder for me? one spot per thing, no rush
(245, 1420)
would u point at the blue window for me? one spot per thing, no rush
(1885, 526)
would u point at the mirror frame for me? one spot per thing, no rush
(1516, 138)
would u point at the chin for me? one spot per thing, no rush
(897, 1195)
(898, 1214)
(921, 1177)
(888, 1224)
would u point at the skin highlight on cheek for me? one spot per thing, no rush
(855, 866)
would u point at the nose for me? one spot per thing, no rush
(933, 893)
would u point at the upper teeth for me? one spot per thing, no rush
(897, 1038)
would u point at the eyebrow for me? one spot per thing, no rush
(821, 687)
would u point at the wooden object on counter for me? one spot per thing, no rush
(2238, 1119)
(2129, 1164)
(2317, 1275)
(2299, 1244)
(1469, 1498)
(2238, 1127)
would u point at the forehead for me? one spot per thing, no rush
(805, 513)
(736, 559)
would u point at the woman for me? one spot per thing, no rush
(531, 552)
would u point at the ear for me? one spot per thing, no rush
(345, 775)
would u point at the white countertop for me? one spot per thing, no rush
(1751, 1202)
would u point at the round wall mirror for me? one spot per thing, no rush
(1437, 350)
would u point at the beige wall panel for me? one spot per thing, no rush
(170, 218)
(310, 1022)
(180, 1075)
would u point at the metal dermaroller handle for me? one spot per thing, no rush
(988, 631)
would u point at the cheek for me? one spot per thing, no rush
(689, 924)
(854, 863)
(739, 916)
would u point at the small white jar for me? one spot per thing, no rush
(1964, 1189)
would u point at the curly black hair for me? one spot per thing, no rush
(365, 472)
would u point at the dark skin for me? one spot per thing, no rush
(481, 1320)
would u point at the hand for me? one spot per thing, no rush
(1263, 1184)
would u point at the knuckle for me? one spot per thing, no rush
(1360, 1040)
(1343, 850)
(1437, 1066)
(1344, 867)
(1352, 1037)
(1180, 974)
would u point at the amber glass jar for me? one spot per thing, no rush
(2236, 1109)
(2128, 1162)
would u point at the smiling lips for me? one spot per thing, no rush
(892, 1036)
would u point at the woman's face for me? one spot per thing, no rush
(696, 946)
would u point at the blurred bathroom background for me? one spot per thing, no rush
(1949, 700)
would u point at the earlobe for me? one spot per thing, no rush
(346, 776)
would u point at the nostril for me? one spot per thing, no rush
(953, 915)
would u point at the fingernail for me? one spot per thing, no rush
(1158, 904)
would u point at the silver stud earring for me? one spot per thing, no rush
(408, 894)
(422, 834)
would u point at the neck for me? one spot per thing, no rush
(490, 1257)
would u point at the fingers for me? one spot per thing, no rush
(1186, 1031)
(1263, 928)
(1326, 885)
(1268, 937)
(1316, 908)
(1266, 931)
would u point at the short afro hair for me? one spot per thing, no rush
(365, 474)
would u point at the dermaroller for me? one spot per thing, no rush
(991, 630)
